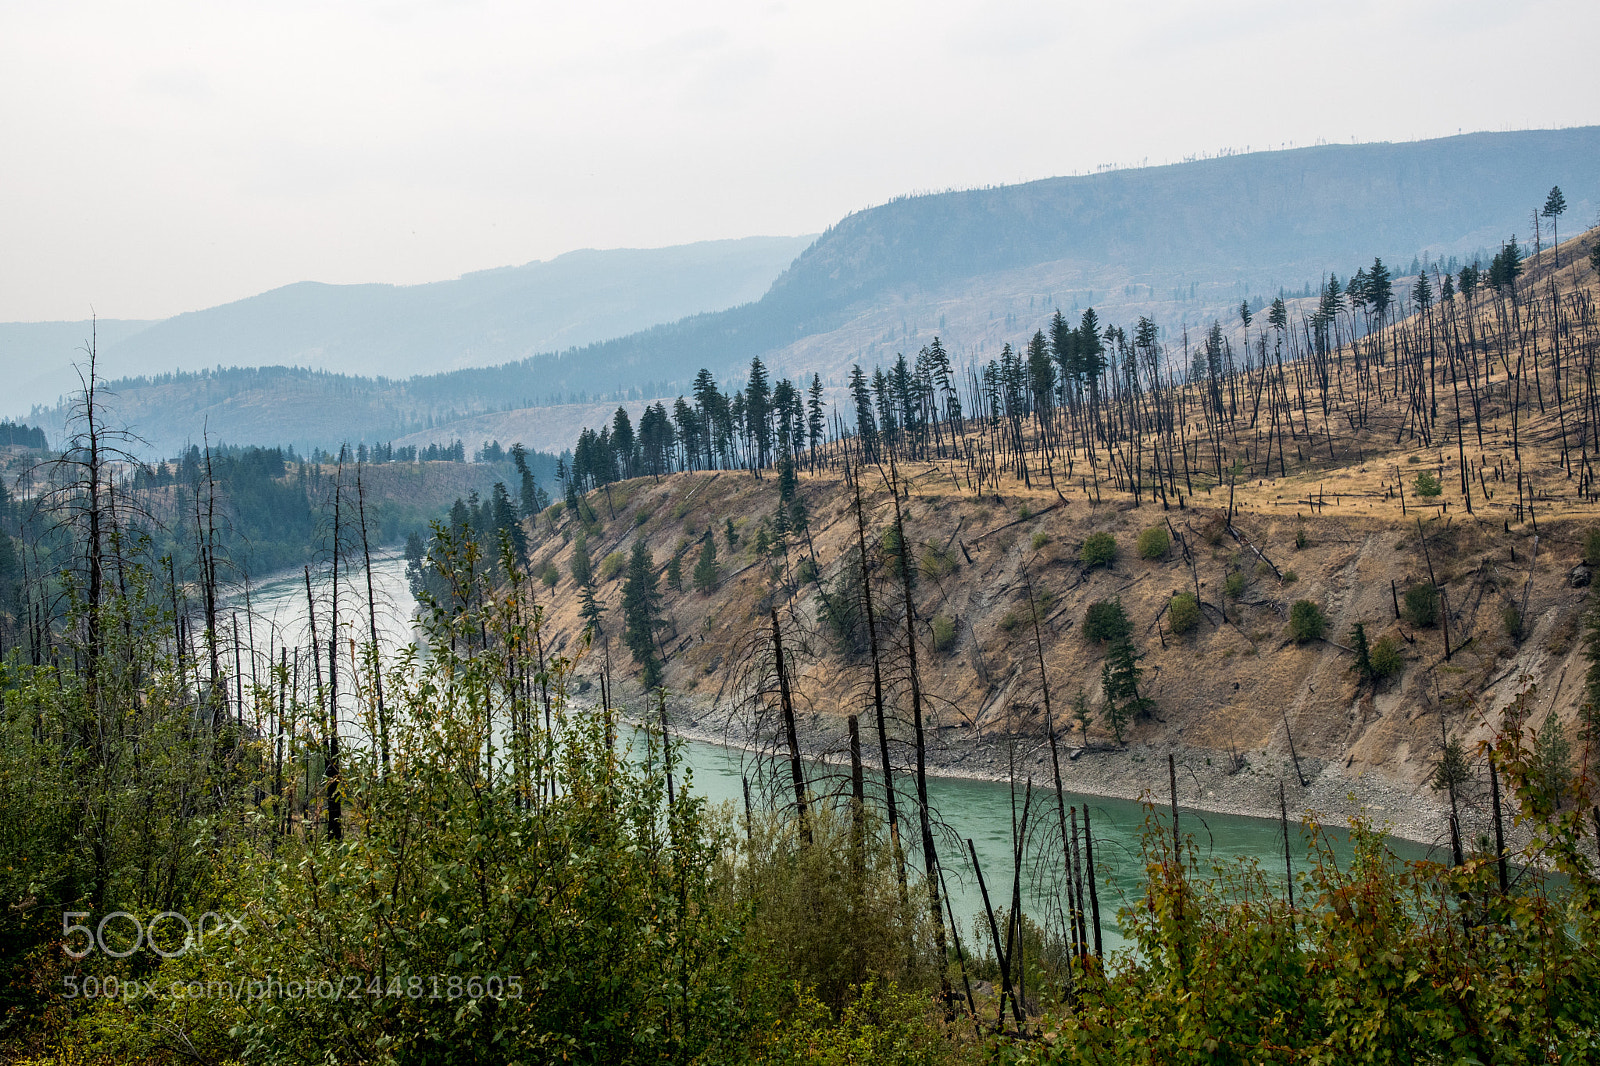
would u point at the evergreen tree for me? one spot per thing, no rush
(1506, 266)
(731, 535)
(590, 610)
(1081, 715)
(1555, 205)
(1119, 680)
(1422, 292)
(788, 481)
(1379, 288)
(866, 427)
(1041, 372)
(675, 574)
(1358, 643)
(758, 411)
(816, 421)
(641, 613)
(705, 567)
(624, 446)
(531, 499)
(1064, 347)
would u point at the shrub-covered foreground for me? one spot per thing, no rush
(500, 877)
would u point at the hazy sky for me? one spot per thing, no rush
(163, 156)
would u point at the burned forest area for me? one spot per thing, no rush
(1327, 564)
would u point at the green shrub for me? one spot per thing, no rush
(1300, 540)
(1100, 549)
(1289, 577)
(1386, 658)
(1233, 585)
(1511, 618)
(1591, 547)
(1024, 511)
(1306, 621)
(806, 572)
(1426, 484)
(640, 517)
(1040, 539)
(1421, 605)
(1263, 568)
(550, 575)
(1183, 613)
(1154, 542)
(937, 562)
(944, 632)
(1011, 621)
(612, 565)
(1106, 621)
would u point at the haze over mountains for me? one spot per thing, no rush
(1182, 243)
(482, 318)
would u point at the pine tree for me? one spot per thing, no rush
(590, 610)
(641, 613)
(1555, 205)
(1358, 642)
(675, 574)
(1081, 715)
(1119, 680)
(866, 427)
(705, 567)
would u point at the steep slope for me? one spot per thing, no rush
(1453, 536)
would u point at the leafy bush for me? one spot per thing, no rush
(1511, 618)
(1426, 484)
(1386, 658)
(1106, 621)
(1183, 613)
(1040, 539)
(1233, 586)
(1011, 621)
(944, 632)
(1154, 543)
(1100, 549)
(640, 517)
(612, 565)
(1024, 511)
(1421, 605)
(1289, 577)
(1306, 621)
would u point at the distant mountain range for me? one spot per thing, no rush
(480, 319)
(1183, 243)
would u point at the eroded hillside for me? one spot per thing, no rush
(1490, 509)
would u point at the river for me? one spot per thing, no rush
(965, 809)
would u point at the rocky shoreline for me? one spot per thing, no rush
(1208, 780)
